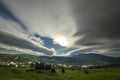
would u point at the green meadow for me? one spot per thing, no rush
(94, 74)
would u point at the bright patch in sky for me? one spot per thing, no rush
(61, 41)
(60, 27)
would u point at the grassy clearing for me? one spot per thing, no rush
(95, 74)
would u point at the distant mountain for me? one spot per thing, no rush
(92, 56)
(74, 59)
(82, 59)
(97, 58)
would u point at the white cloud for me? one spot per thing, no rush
(37, 39)
(11, 27)
(77, 50)
(54, 18)
(17, 50)
(47, 18)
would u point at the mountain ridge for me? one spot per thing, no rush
(76, 59)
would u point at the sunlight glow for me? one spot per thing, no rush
(61, 41)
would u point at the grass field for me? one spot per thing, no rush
(95, 74)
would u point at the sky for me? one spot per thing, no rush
(60, 27)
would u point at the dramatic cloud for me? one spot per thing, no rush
(15, 50)
(43, 17)
(18, 42)
(89, 26)
(98, 21)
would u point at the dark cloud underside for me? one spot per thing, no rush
(95, 22)
(99, 22)
(20, 43)
(97, 19)
(7, 14)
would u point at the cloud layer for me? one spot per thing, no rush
(98, 21)
(90, 26)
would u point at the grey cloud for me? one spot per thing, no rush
(43, 17)
(21, 43)
(6, 13)
(6, 51)
(15, 50)
(98, 20)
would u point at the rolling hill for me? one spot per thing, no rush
(74, 59)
